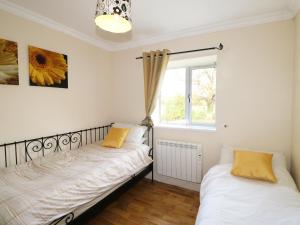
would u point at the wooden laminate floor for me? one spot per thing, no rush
(151, 204)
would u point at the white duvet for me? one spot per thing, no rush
(45, 189)
(229, 200)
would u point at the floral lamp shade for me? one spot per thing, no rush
(114, 15)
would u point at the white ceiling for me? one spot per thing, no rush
(153, 20)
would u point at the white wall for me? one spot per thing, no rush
(254, 89)
(28, 111)
(296, 131)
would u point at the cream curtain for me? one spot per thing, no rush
(155, 65)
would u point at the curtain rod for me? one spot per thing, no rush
(220, 47)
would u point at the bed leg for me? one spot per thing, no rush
(152, 176)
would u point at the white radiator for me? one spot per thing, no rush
(179, 160)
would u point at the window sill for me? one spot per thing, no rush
(187, 127)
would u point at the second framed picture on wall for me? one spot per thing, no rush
(47, 68)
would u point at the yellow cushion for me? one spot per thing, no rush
(253, 165)
(115, 137)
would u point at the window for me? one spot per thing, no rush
(188, 96)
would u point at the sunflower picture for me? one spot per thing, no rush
(9, 72)
(47, 68)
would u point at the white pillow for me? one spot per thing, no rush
(227, 156)
(135, 134)
(142, 140)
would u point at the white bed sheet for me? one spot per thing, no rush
(45, 189)
(230, 200)
(77, 212)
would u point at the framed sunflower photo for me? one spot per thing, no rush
(47, 68)
(9, 70)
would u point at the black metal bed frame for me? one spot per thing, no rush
(16, 153)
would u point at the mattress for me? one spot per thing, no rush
(229, 200)
(48, 188)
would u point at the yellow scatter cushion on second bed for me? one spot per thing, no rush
(115, 137)
(253, 165)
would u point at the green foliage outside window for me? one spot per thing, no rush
(173, 108)
(203, 92)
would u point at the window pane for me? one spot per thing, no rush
(172, 97)
(204, 96)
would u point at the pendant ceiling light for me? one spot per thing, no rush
(114, 15)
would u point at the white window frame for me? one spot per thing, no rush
(188, 96)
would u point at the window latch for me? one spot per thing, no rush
(189, 98)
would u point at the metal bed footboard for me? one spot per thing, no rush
(16, 153)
